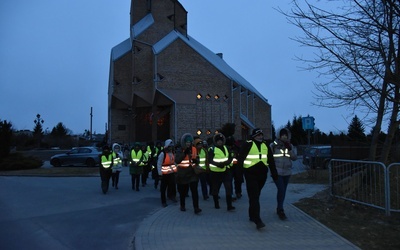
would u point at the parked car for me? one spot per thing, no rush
(89, 156)
(317, 156)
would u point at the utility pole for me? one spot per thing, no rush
(91, 118)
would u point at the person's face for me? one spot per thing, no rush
(284, 137)
(220, 142)
(258, 137)
(188, 144)
(117, 149)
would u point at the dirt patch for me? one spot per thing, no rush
(364, 226)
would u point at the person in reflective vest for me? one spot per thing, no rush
(219, 159)
(106, 163)
(204, 176)
(166, 167)
(136, 165)
(117, 164)
(283, 155)
(154, 172)
(255, 158)
(186, 177)
(237, 173)
(146, 165)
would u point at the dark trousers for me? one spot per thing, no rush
(219, 178)
(115, 178)
(183, 190)
(145, 175)
(254, 185)
(135, 179)
(168, 185)
(205, 183)
(281, 185)
(105, 175)
(237, 175)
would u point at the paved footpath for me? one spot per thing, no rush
(170, 228)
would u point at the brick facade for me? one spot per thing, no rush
(164, 84)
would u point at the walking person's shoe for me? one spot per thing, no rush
(197, 210)
(281, 214)
(183, 209)
(231, 208)
(260, 224)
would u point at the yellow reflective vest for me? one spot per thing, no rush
(255, 155)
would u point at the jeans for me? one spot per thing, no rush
(281, 185)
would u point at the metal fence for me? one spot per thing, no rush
(366, 182)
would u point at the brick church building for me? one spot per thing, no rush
(163, 83)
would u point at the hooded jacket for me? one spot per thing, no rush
(186, 175)
(282, 155)
(117, 158)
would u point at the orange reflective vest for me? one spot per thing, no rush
(168, 165)
(186, 162)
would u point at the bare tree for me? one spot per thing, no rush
(357, 49)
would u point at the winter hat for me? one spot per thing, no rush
(256, 132)
(168, 143)
(197, 141)
(219, 137)
(283, 132)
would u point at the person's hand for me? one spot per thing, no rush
(187, 151)
(288, 146)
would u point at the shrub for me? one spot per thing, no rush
(17, 161)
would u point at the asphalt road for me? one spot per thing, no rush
(71, 212)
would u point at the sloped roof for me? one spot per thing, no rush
(125, 47)
(211, 57)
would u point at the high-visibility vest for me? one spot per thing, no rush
(137, 156)
(202, 158)
(255, 155)
(106, 162)
(186, 162)
(168, 165)
(219, 156)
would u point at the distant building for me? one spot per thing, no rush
(163, 83)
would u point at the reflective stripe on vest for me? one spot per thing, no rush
(137, 156)
(116, 159)
(219, 156)
(186, 161)
(168, 166)
(106, 163)
(282, 153)
(255, 155)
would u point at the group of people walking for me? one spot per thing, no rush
(179, 169)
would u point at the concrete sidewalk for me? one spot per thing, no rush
(170, 228)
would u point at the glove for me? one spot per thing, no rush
(288, 146)
(220, 165)
(187, 151)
